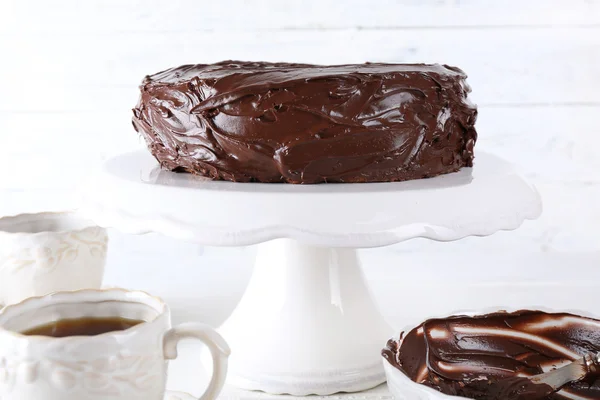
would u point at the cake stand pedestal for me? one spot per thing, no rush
(307, 323)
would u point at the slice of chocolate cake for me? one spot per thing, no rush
(296, 123)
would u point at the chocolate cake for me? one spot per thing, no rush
(297, 123)
(490, 356)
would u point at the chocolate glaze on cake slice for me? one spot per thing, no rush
(296, 123)
(490, 356)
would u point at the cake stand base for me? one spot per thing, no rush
(307, 324)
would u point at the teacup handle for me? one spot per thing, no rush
(219, 351)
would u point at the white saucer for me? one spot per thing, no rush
(171, 395)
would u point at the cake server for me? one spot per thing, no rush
(554, 380)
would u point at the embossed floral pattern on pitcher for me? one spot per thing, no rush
(34, 263)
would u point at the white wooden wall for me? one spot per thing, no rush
(69, 72)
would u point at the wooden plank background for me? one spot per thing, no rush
(69, 72)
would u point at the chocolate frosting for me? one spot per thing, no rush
(490, 356)
(298, 123)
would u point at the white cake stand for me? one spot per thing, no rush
(307, 323)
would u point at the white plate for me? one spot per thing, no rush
(131, 193)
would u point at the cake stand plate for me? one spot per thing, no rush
(307, 323)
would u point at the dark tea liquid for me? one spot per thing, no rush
(82, 327)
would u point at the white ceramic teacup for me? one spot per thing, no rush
(48, 252)
(122, 365)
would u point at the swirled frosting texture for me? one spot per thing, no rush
(490, 356)
(296, 123)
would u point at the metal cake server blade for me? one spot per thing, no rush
(573, 372)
